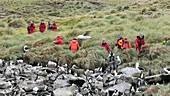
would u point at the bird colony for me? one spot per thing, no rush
(21, 79)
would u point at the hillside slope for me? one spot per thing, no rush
(106, 18)
(103, 18)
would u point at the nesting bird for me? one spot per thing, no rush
(25, 48)
(84, 36)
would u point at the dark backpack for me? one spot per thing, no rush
(28, 28)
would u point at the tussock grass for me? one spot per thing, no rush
(6, 31)
(127, 18)
(2, 24)
(17, 23)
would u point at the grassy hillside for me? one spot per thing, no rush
(103, 18)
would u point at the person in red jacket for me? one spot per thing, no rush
(126, 44)
(74, 45)
(42, 26)
(106, 45)
(31, 28)
(119, 42)
(59, 40)
(140, 41)
(54, 27)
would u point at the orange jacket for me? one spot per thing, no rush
(74, 45)
(127, 45)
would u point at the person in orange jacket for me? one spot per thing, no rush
(54, 27)
(140, 41)
(42, 26)
(59, 40)
(105, 44)
(126, 44)
(31, 28)
(74, 45)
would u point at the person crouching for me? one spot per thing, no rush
(105, 44)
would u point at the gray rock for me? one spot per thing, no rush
(129, 71)
(120, 87)
(66, 91)
(61, 83)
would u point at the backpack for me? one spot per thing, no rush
(140, 43)
(120, 42)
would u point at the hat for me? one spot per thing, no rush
(165, 37)
(119, 36)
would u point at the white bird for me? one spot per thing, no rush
(51, 64)
(84, 36)
(35, 89)
(88, 72)
(119, 60)
(116, 93)
(98, 70)
(25, 48)
(20, 61)
(1, 62)
(167, 70)
(99, 78)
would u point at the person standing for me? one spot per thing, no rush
(49, 26)
(105, 44)
(140, 41)
(54, 27)
(74, 45)
(42, 26)
(31, 28)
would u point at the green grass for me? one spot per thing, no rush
(103, 18)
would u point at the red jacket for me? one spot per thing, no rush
(42, 27)
(74, 46)
(31, 28)
(139, 42)
(59, 40)
(54, 27)
(107, 47)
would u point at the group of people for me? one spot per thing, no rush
(42, 27)
(123, 43)
(73, 45)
